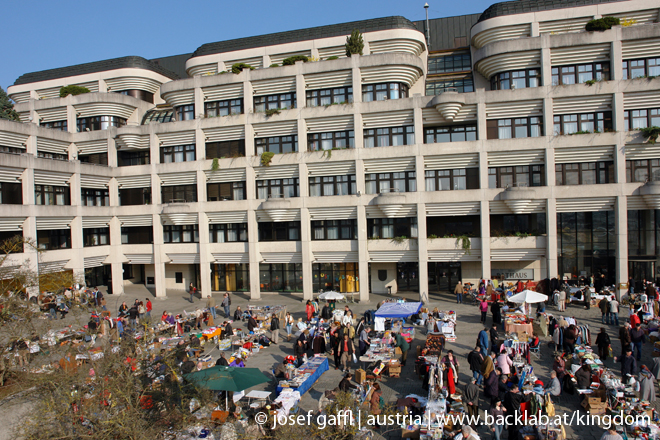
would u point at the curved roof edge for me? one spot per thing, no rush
(134, 62)
(333, 30)
(523, 6)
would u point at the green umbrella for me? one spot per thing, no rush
(221, 378)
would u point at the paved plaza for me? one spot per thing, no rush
(467, 330)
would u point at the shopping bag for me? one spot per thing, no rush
(549, 407)
(354, 359)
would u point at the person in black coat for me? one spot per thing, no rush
(628, 365)
(475, 359)
(603, 342)
(345, 384)
(252, 324)
(512, 401)
(299, 351)
(583, 377)
(502, 387)
(497, 312)
(494, 338)
(228, 331)
(222, 361)
(491, 387)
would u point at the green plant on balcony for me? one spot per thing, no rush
(272, 111)
(354, 43)
(266, 158)
(238, 68)
(215, 165)
(274, 65)
(72, 90)
(464, 242)
(399, 239)
(432, 236)
(602, 24)
(580, 132)
(651, 133)
(292, 60)
(334, 57)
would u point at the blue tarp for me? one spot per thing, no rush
(398, 310)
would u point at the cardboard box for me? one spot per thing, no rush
(409, 433)
(397, 350)
(360, 376)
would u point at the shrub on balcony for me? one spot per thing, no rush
(334, 57)
(651, 133)
(292, 60)
(72, 90)
(602, 24)
(266, 157)
(354, 43)
(238, 68)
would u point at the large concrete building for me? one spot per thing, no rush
(506, 145)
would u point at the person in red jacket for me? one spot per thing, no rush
(148, 306)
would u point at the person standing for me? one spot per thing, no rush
(472, 401)
(628, 365)
(288, 323)
(309, 310)
(491, 388)
(225, 305)
(483, 308)
(274, 329)
(148, 307)
(512, 401)
(494, 339)
(603, 342)
(604, 306)
(475, 359)
(637, 337)
(210, 304)
(363, 342)
(458, 290)
(496, 310)
(497, 411)
(346, 351)
(562, 300)
(587, 298)
(482, 340)
(614, 311)
(624, 337)
(191, 291)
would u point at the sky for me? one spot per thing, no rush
(46, 34)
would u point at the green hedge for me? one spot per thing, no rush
(292, 60)
(72, 90)
(238, 68)
(602, 24)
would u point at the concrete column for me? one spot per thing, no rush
(113, 192)
(112, 153)
(617, 113)
(307, 256)
(551, 225)
(71, 117)
(621, 231)
(159, 258)
(363, 267)
(483, 169)
(534, 29)
(116, 254)
(548, 117)
(302, 138)
(77, 261)
(485, 239)
(27, 186)
(359, 178)
(200, 145)
(74, 187)
(199, 100)
(550, 166)
(358, 131)
(301, 93)
(255, 255)
(205, 258)
(31, 145)
(423, 250)
(31, 256)
(201, 186)
(546, 66)
(482, 133)
(357, 81)
(617, 60)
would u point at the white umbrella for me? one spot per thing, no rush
(529, 297)
(331, 295)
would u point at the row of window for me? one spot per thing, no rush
(587, 173)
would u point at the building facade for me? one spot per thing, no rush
(507, 145)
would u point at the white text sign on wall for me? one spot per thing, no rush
(510, 274)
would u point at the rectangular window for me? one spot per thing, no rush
(185, 112)
(449, 63)
(646, 67)
(133, 158)
(225, 191)
(580, 73)
(52, 195)
(96, 237)
(638, 119)
(390, 182)
(332, 185)
(514, 128)
(179, 194)
(336, 140)
(277, 188)
(53, 239)
(504, 225)
(223, 108)
(225, 149)
(338, 95)
(96, 159)
(279, 231)
(54, 156)
(334, 229)
(384, 91)
(11, 193)
(281, 277)
(389, 137)
(642, 170)
(518, 79)
(340, 277)
(55, 125)
(180, 233)
(446, 180)
(230, 232)
(392, 227)
(463, 85)
(137, 235)
(582, 123)
(94, 197)
(280, 101)
(457, 133)
(94, 123)
(134, 196)
(527, 175)
(277, 144)
(179, 153)
(230, 277)
(587, 173)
